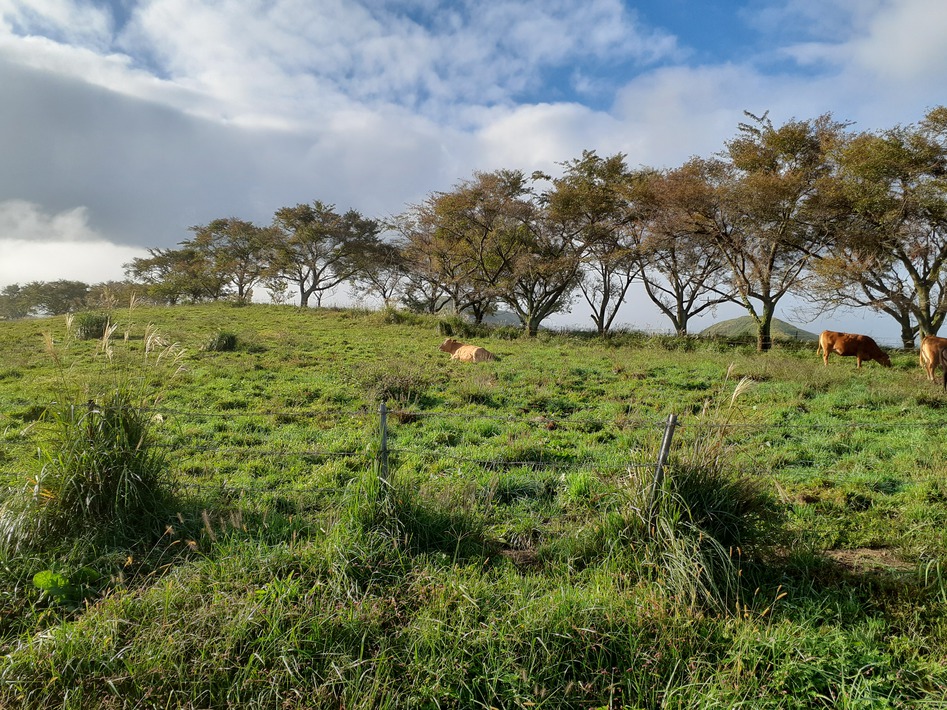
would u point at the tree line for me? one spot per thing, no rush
(811, 208)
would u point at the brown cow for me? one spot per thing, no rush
(861, 346)
(931, 348)
(466, 353)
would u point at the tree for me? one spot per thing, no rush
(440, 270)
(492, 239)
(53, 298)
(537, 259)
(113, 294)
(381, 272)
(590, 203)
(683, 272)
(238, 252)
(318, 249)
(13, 302)
(768, 219)
(174, 275)
(892, 254)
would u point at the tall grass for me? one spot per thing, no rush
(703, 515)
(99, 472)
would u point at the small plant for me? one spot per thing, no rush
(221, 342)
(402, 382)
(68, 590)
(90, 326)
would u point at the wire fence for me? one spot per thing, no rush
(293, 451)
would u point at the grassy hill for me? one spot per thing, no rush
(506, 548)
(745, 327)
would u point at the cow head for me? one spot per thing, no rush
(449, 345)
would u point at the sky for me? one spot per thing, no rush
(125, 122)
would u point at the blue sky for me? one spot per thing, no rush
(123, 123)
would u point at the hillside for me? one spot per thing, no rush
(502, 546)
(745, 327)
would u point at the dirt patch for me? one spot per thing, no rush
(867, 559)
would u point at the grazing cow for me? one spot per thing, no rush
(942, 358)
(861, 346)
(931, 348)
(466, 353)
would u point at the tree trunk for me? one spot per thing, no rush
(764, 340)
(907, 335)
(532, 326)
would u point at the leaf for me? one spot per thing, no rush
(54, 584)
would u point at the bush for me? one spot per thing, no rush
(90, 326)
(221, 342)
(403, 382)
(100, 475)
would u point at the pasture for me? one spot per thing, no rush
(514, 553)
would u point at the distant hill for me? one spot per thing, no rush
(745, 326)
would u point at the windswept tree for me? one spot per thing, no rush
(589, 202)
(892, 255)
(238, 251)
(178, 275)
(14, 302)
(537, 258)
(48, 298)
(317, 248)
(441, 265)
(381, 272)
(769, 219)
(114, 294)
(683, 271)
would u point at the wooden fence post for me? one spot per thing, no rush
(662, 459)
(383, 449)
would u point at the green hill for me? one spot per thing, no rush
(745, 326)
(502, 544)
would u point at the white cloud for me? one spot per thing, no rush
(80, 23)
(25, 221)
(288, 62)
(36, 246)
(905, 42)
(537, 137)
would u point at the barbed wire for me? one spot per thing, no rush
(621, 420)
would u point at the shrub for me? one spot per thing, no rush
(393, 316)
(221, 342)
(403, 382)
(100, 474)
(90, 326)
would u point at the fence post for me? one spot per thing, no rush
(662, 459)
(383, 449)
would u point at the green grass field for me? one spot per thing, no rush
(516, 554)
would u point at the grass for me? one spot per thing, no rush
(794, 559)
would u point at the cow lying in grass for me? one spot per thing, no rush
(931, 349)
(848, 344)
(466, 353)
